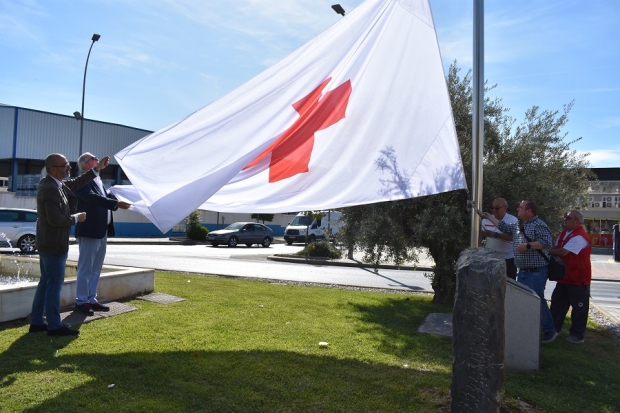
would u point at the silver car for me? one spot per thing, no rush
(248, 233)
(20, 227)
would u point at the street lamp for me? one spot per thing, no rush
(338, 9)
(80, 116)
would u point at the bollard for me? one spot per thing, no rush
(616, 242)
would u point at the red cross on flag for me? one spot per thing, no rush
(360, 114)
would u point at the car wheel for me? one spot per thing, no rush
(215, 244)
(248, 245)
(232, 242)
(312, 238)
(26, 244)
(266, 242)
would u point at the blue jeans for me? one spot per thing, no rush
(90, 261)
(47, 295)
(537, 280)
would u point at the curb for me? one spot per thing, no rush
(609, 314)
(347, 263)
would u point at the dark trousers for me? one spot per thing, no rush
(511, 268)
(576, 297)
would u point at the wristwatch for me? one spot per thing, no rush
(497, 235)
(529, 247)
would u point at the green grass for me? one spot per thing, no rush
(250, 346)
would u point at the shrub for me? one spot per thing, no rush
(193, 229)
(321, 249)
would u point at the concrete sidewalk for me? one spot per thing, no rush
(604, 268)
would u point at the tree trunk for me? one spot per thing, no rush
(444, 280)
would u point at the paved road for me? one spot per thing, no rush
(253, 263)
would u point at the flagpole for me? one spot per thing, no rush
(477, 119)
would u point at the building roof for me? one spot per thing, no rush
(607, 174)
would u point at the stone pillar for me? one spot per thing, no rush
(478, 331)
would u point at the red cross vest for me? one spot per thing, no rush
(578, 267)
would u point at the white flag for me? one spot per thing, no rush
(360, 114)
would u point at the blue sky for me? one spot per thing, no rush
(158, 61)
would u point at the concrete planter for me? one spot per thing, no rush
(115, 283)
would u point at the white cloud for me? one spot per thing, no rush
(603, 158)
(609, 122)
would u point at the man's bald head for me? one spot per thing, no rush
(57, 166)
(500, 207)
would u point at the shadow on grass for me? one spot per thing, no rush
(213, 381)
(396, 322)
(568, 372)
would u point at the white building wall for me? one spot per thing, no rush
(39, 134)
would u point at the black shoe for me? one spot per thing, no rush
(63, 331)
(85, 309)
(99, 307)
(37, 328)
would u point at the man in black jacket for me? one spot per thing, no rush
(92, 236)
(56, 208)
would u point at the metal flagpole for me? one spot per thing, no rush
(477, 119)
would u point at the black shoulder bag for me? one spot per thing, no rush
(555, 265)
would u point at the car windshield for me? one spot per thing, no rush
(301, 220)
(235, 226)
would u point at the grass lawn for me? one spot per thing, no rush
(252, 346)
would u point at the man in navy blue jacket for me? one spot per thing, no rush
(92, 236)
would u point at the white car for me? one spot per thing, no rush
(20, 227)
(296, 229)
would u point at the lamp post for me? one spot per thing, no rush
(80, 116)
(338, 9)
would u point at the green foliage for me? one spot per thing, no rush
(532, 161)
(193, 229)
(263, 217)
(322, 249)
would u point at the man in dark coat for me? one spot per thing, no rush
(57, 212)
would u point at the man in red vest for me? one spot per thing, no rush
(573, 291)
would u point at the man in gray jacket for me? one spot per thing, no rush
(56, 208)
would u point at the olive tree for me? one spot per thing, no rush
(530, 161)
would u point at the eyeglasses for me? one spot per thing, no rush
(94, 157)
(496, 208)
(64, 165)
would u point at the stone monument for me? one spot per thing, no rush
(478, 331)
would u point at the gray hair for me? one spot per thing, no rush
(83, 159)
(579, 216)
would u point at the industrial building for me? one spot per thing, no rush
(27, 136)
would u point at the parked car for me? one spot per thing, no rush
(248, 233)
(20, 227)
